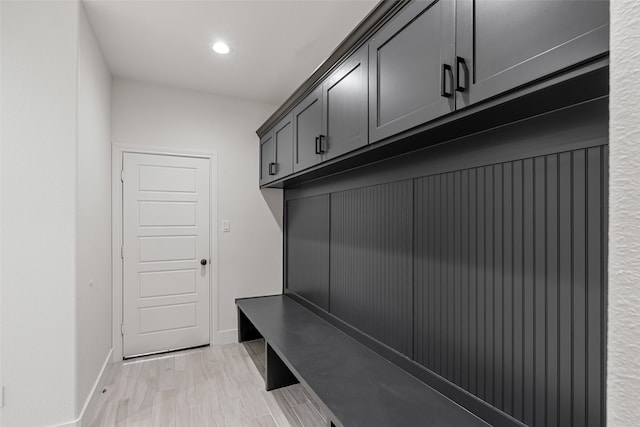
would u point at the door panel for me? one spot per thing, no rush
(406, 62)
(283, 139)
(166, 248)
(167, 179)
(165, 235)
(507, 43)
(345, 105)
(307, 125)
(267, 158)
(165, 283)
(168, 317)
(153, 214)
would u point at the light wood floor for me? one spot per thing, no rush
(211, 386)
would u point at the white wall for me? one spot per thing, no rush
(250, 256)
(55, 211)
(39, 77)
(623, 355)
(1, 382)
(93, 213)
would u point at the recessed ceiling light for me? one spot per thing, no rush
(221, 47)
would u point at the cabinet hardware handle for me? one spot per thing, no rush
(321, 149)
(272, 168)
(461, 62)
(318, 145)
(446, 69)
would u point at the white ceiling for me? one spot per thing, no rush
(275, 45)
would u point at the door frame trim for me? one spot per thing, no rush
(117, 154)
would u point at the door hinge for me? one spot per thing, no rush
(2, 397)
(121, 328)
(122, 252)
(122, 175)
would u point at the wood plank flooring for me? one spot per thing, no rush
(212, 386)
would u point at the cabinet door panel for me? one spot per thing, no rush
(345, 105)
(508, 43)
(307, 125)
(267, 157)
(283, 140)
(405, 66)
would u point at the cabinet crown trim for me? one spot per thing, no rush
(378, 16)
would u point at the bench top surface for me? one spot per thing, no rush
(357, 385)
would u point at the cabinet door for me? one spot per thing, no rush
(410, 68)
(344, 95)
(503, 44)
(267, 159)
(307, 128)
(283, 141)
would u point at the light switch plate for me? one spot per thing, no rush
(226, 226)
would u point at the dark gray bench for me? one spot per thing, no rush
(354, 385)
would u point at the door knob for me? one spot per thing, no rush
(203, 261)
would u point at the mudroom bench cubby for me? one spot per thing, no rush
(354, 385)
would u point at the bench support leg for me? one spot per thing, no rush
(246, 330)
(277, 375)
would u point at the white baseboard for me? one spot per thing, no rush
(222, 337)
(90, 404)
(226, 337)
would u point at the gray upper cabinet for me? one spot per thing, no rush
(344, 95)
(431, 58)
(411, 68)
(501, 44)
(307, 128)
(267, 159)
(283, 144)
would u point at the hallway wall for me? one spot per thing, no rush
(56, 222)
(250, 256)
(39, 99)
(93, 210)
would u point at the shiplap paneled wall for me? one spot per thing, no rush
(492, 277)
(371, 261)
(510, 284)
(308, 248)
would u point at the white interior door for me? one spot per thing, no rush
(165, 253)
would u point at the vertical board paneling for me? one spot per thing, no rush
(308, 249)
(528, 289)
(498, 291)
(437, 284)
(465, 263)
(540, 291)
(489, 283)
(566, 290)
(492, 277)
(450, 311)
(480, 297)
(518, 294)
(594, 288)
(457, 271)
(579, 290)
(473, 281)
(371, 261)
(553, 292)
(509, 282)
